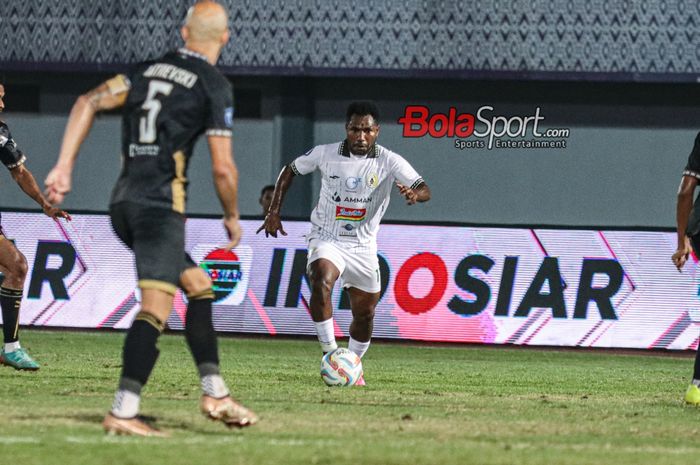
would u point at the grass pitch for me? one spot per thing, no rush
(422, 405)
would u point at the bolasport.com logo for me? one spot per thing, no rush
(483, 129)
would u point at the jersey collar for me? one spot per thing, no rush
(344, 150)
(191, 53)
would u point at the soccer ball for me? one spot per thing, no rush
(342, 367)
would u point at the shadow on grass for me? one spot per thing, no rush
(94, 420)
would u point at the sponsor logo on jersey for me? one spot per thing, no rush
(357, 199)
(336, 197)
(352, 183)
(372, 180)
(349, 213)
(136, 150)
(333, 176)
(228, 117)
(347, 230)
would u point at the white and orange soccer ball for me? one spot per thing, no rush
(342, 367)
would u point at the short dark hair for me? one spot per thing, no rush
(269, 187)
(362, 108)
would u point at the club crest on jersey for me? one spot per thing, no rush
(372, 180)
(349, 213)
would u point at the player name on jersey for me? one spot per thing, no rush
(171, 73)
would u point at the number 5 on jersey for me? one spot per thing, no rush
(147, 126)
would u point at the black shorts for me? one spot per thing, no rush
(695, 243)
(157, 238)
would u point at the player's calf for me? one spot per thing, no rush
(139, 357)
(15, 266)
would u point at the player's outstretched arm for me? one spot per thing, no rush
(107, 96)
(225, 176)
(273, 222)
(25, 180)
(420, 194)
(683, 207)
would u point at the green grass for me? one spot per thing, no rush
(422, 405)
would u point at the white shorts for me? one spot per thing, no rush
(357, 269)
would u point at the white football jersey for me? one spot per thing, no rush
(355, 191)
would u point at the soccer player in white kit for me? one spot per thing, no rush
(357, 178)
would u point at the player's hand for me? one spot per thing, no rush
(271, 225)
(58, 184)
(56, 213)
(410, 194)
(681, 254)
(233, 230)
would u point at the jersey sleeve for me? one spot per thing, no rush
(220, 113)
(693, 166)
(119, 86)
(10, 155)
(404, 172)
(308, 162)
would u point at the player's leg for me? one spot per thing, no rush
(139, 356)
(14, 268)
(363, 305)
(325, 265)
(362, 280)
(692, 395)
(152, 234)
(216, 402)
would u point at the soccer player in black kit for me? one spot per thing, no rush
(168, 103)
(12, 263)
(688, 232)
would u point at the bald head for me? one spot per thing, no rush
(206, 21)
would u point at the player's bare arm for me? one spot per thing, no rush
(25, 180)
(225, 176)
(420, 193)
(273, 222)
(109, 95)
(683, 207)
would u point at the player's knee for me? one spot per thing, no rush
(20, 267)
(322, 286)
(195, 281)
(365, 317)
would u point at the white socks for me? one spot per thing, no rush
(126, 404)
(214, 386)
(11, 346)
(326, 335)
(358, 347)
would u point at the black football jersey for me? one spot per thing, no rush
(171, 102)
(10, 155)
(692, 168)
